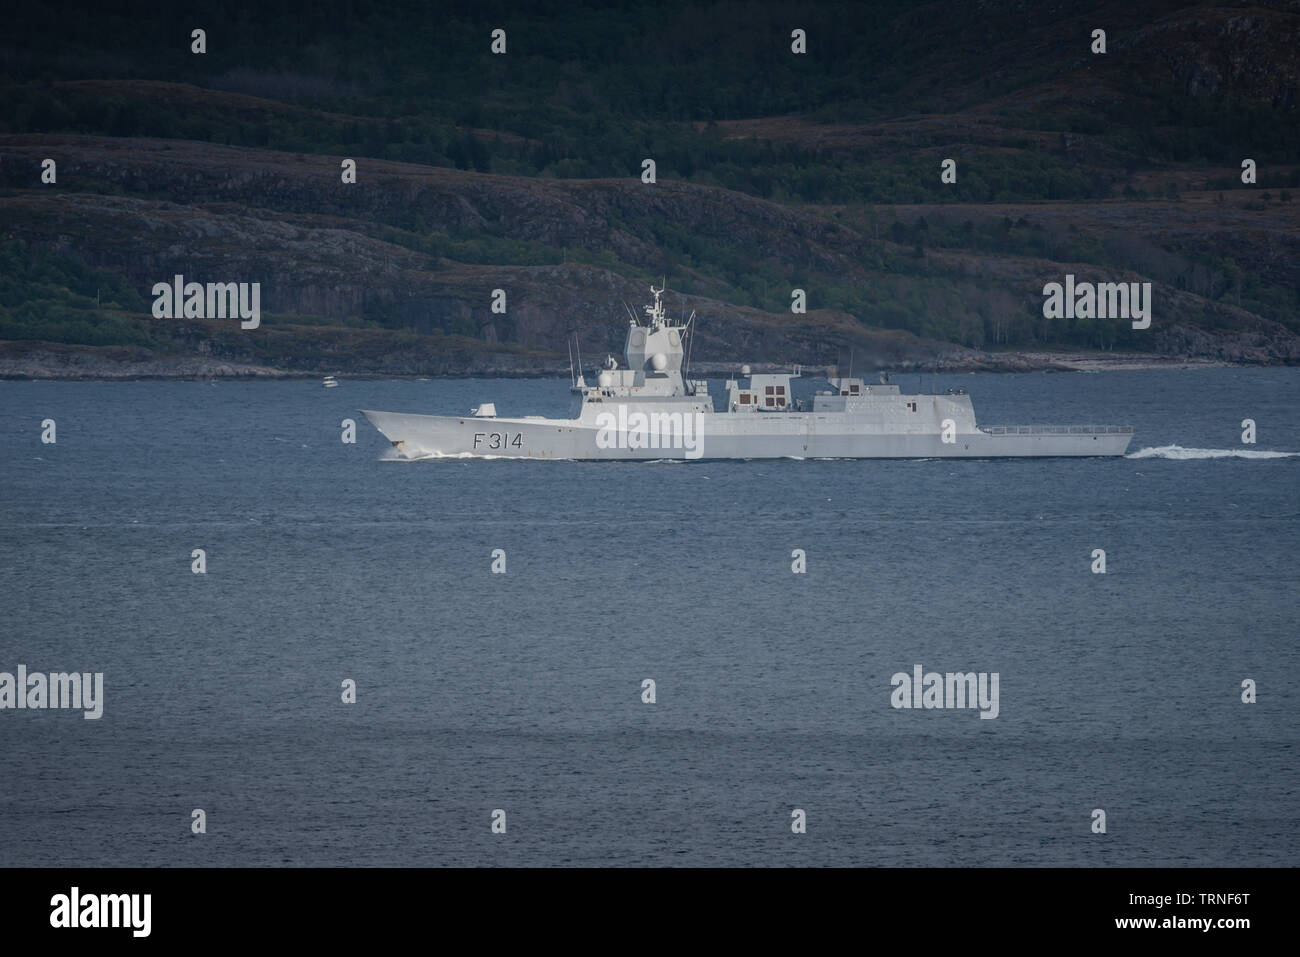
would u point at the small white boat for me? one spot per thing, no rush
(331, 382)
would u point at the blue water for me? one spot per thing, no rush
(522, 691)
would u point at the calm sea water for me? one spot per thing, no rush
(523, 691)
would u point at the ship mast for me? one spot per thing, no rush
(656, 312)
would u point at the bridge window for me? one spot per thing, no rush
(911, 407)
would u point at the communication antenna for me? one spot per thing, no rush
(569, 342)
(690, 343)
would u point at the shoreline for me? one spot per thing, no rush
(81, 367)
(1084, 362)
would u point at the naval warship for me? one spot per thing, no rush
(650, 410)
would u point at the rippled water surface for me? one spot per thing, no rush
(523, 691)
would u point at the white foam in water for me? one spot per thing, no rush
(392, 455)
(1178, 452)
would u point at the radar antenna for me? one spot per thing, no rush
(656, 312)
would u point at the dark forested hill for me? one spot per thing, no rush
(521, 171)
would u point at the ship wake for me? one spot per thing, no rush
(392, 455)
(1178, 452)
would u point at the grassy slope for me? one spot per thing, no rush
(1114, 166)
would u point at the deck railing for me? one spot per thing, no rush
(1056, 429)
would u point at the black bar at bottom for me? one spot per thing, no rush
(336, 906)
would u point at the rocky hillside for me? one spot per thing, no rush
(1122, 167)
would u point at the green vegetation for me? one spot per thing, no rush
(781, 171)
(55, 297)
(588, 89)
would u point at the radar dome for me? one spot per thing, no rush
(605, 380)
(659, 361)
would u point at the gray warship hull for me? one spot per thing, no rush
(796, 436)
